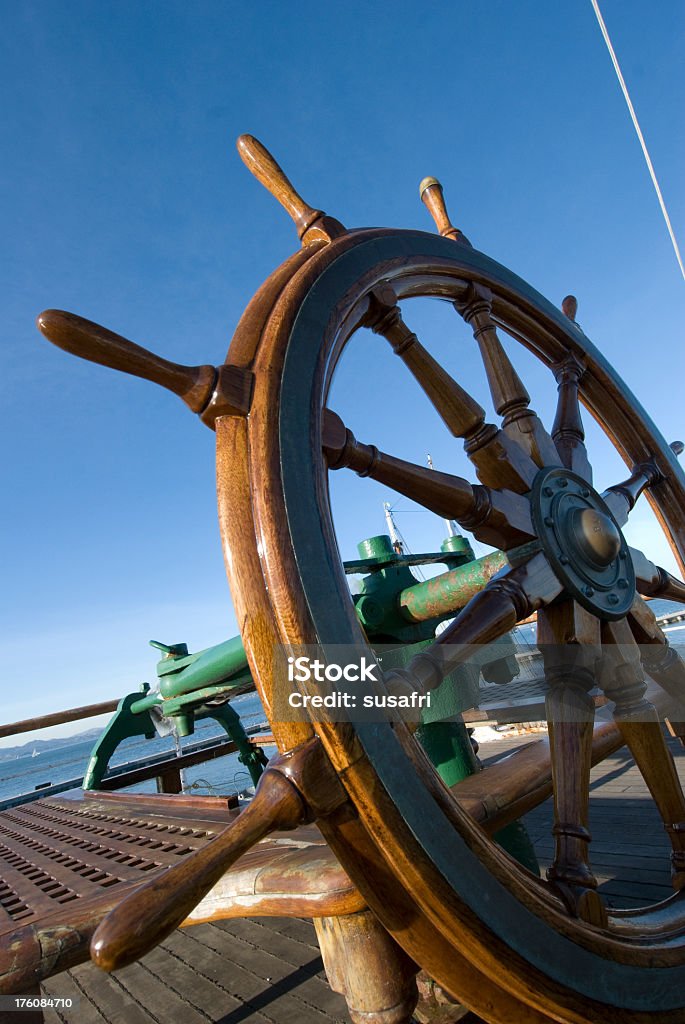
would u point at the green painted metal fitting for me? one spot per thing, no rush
(450, 750)
(371, 612)
(191, 701)
(185, 723)
(448, 593)
(123, 724)
(376, 604)
(170, 650)
(391, 604)
(205, 668)
(252, 757)
(460, 547)
(448, 746)
(514, 838)
(378, 548)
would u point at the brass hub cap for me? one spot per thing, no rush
(583, 543)
(596, 535)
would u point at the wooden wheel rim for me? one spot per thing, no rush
(533, 949)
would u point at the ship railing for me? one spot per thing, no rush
(164, 767)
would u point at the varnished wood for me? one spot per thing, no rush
(394, 871)
(146, 917)
(295, 787)
(312, 225)
(569, 307)
(196, 385)
(462, 415)
(507, 790)
(291, 614)
(568, 432)
(252, 603)
(58, 718)
(645, 739)
(381, 833)
(569, 639)
(621, 497)
(509, 396)
(432, 196)
(445, 958)
(499, 460)
(677, 730)
(103, 846)
(293, 617)
(653, 581)
(659, 659)
(449, 496)
(365, 964)
(248, 461)
(622, 680)
(488, 615)
(232, 394)
(502, 519)
(664, 586)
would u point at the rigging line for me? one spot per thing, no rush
(650, 166)
(396, 536)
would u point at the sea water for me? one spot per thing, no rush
(225, 775)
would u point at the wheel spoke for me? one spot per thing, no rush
(661, 662)
(568, 432)
(509, 395)
(677, 728)
(621, 497)
(653, 581)
(495, 610)
(523, 780)
(622, 679)
(569, 640)
(500, 518)
(430, 191)
(500, 461)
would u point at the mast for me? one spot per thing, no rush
(397, 542)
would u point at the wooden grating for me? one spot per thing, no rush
(57, 850)
(66, 863)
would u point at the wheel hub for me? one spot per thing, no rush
(596, 535)
(583, 543)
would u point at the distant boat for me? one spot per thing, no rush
(35, 753)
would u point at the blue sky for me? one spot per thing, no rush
(123, 200)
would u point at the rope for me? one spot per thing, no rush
(650, 166)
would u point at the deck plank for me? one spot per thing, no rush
(256, 975)
(297, 929)
(100, 999)
(208, 972)
(275, 956)
(630, 851)
(85, 1008)
(295, 951)
(157, 995)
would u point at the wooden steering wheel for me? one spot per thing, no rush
(512, 947)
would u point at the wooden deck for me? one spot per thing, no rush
(630, 851)
(269, 969)
(265, 971)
